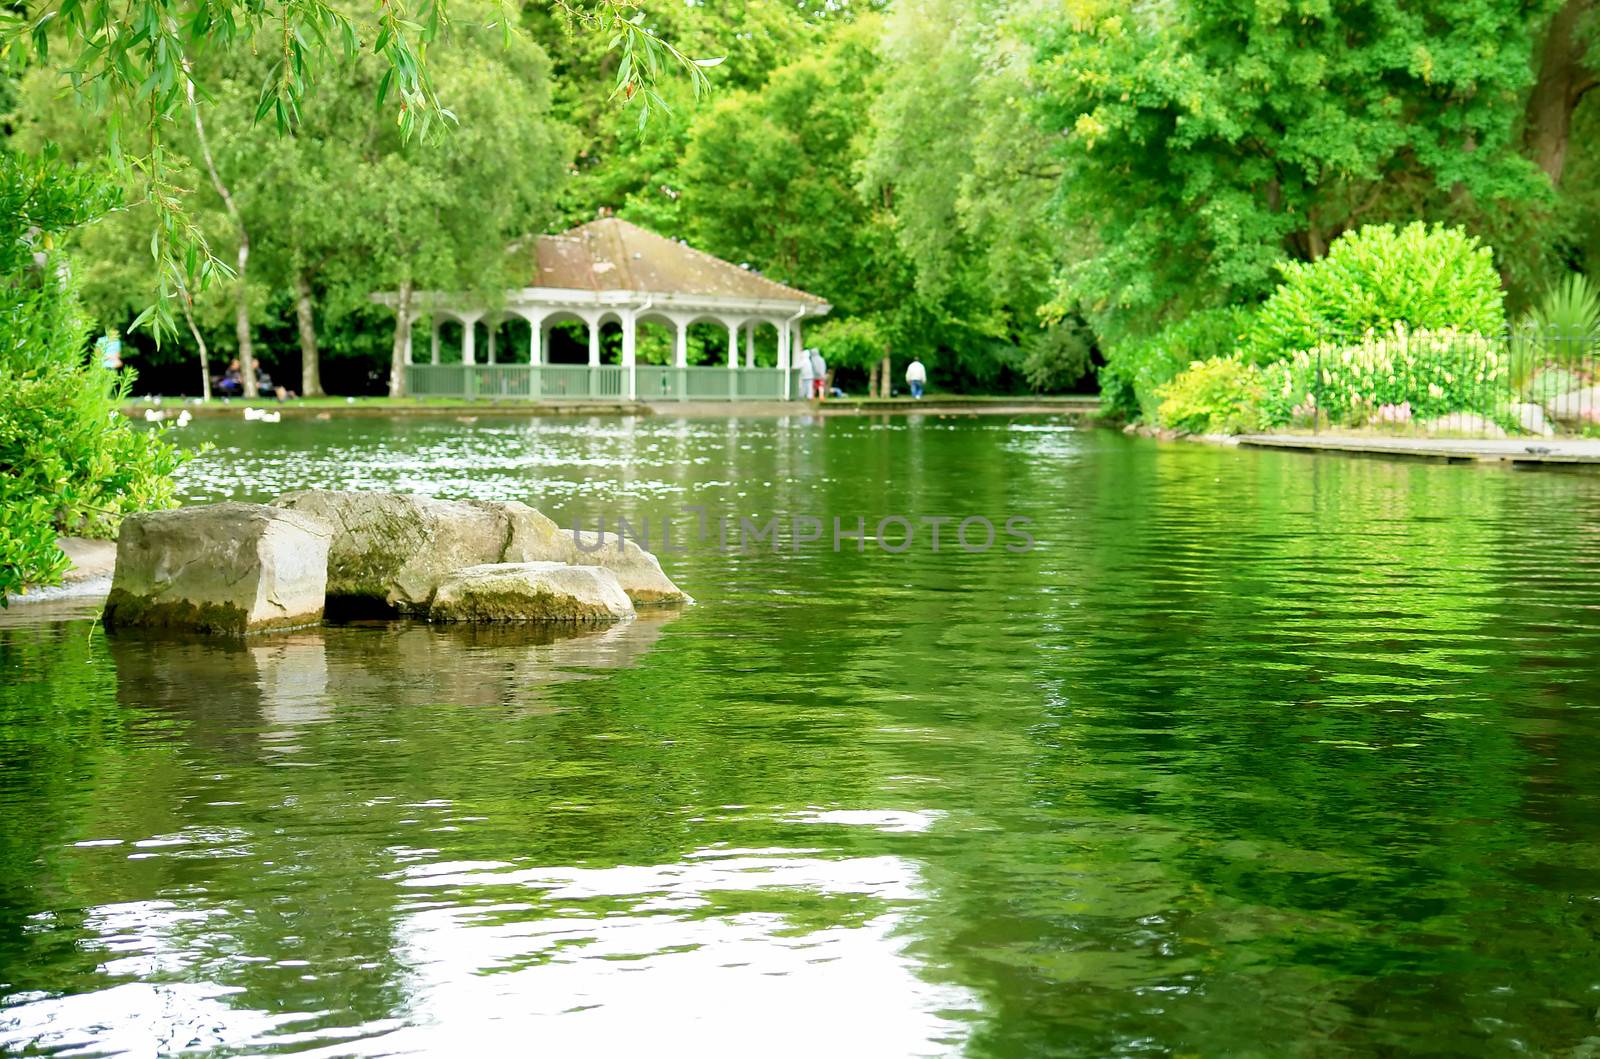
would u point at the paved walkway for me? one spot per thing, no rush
(1452, 450)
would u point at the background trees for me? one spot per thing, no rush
(1018, 196)
(177, 73)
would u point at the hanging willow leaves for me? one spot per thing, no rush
(140, 63)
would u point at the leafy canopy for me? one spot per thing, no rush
(1206, 142)
(142, 65)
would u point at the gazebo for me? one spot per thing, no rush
(610, 271)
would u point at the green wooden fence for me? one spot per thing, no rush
(557, 382)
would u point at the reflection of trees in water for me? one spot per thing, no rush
(1253, 748)
(256, 798)
(1286, 783)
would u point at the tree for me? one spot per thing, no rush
(1566, 74)
(1205, 142)
(142, 66)
(967, 170)
(768, 179)
(349, 205)
(636, 169)
(970, 176)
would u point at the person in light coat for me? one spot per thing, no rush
(807, 377)
(819, 372)
(916, 377)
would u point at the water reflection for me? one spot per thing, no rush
(1256, 754)
(285, 678)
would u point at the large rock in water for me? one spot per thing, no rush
(394, 550)
(638, 572)
(545, 591)
(222, 568)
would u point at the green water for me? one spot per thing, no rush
(1255, 754)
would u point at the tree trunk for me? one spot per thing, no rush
(402, 340)
(205, 357)
(886, 376)
(241, 325)
(872, 379)
(1562, 82)
(310, 366)
(241, 314)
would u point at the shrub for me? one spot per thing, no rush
(69, 461)
(1134, 372)
(1563, 327)
(1222, 395)
(1425, 373)
(1374, 278)
(1056, 357)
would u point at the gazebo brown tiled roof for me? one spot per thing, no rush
(612, 255)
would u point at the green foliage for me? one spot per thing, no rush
(341, 203)
(967, 169)
(1392, 378)
(767, 181)
(634, 168)
(1208, 142)
(1136, 370)
(1373, 279)
(143, 65)
(1221, 395)
(1566, 321)
(1055, 358)
(850, 342)
(69, 461)
(1389, 378)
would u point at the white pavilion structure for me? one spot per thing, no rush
(610, 271)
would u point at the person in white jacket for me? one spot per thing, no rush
(819, 372)
(807, 377)
(916, 377)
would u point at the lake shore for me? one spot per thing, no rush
(332, 407)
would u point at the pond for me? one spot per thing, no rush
(1249, 753)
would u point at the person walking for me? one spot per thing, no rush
(807, 377)
(819, 372)
(916, 377)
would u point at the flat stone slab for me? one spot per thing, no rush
(223, 569)
(89, 558)
(531, 592)
(638, 572)
(1508, 450)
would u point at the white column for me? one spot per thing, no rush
(535, 340)
(493, 325)
(783, 346)
(680, 349)
(733, 345)
(469, 340)
(594, 342)
(750, 344)
(434, 320)
(797, 348)
(630, 376)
